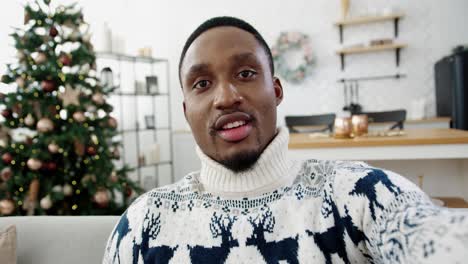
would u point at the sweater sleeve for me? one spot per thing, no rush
(120, 246)
(399, 221)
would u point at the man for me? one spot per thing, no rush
(250, 204)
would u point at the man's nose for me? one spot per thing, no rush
(227, 96)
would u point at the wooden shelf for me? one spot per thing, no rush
(369, 49)
(368, 19)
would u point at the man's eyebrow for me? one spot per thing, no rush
(197, 68)
(243, 57)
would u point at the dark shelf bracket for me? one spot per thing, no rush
(397, 55)
(342, 57)
(341, 33)
(396, 26)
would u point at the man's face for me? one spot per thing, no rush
(230, 96)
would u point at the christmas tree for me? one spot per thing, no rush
(60, 156)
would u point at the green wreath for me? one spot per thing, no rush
(286, 42)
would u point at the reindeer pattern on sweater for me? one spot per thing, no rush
(332, 212)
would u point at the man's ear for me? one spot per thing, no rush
(185, 109)
(278, 90)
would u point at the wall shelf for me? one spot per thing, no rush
(368, 20)
(372, 78)
(369, 49)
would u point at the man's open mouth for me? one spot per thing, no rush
(234, 127)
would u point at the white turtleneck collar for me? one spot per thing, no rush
(269, 172)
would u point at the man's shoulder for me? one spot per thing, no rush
(146, 201)
(188, 184)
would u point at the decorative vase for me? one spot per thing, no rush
(344, 8)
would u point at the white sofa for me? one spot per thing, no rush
(61, 239)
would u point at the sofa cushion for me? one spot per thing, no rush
(61, 239)
(8, 245)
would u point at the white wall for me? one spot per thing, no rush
(431, 29)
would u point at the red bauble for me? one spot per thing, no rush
(6, 113)
(51, 166)
(6, 174)
(7, 158)
(128, 191)
(29, 140)
(65, 60)
(53, 31)
(91, 150)
(48, 86)
(52, 110)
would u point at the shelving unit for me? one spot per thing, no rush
(136, 129)
(369, 49)
(367, 20)
(377, 48)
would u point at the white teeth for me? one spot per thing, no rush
(234, 124)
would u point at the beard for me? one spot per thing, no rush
(242, 161)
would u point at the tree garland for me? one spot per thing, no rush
(286, 42)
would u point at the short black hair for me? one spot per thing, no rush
(225, 21)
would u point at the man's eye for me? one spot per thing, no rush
(201, 84)
(247, 74)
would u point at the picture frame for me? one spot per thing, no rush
(152, 86)
(150, 122)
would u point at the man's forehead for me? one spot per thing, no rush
(226, 41)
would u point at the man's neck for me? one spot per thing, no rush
(269, 172)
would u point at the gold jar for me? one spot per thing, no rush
(343, 127)
(360, 125)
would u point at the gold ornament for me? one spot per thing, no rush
(45, 125)
(20, 55)
(79, 147)
(79, 117)
(70, 96)
(53, 148)
(34, 164)
(20, 82)
(67, 190)
(87, 178)
(7, 207)
(40, 58)
(29, 120)
(113, 177)
(98, 98)
(112, 122)
(30, 203)
(101, 197)
(46, 203)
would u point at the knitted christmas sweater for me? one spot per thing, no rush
(285, 211)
